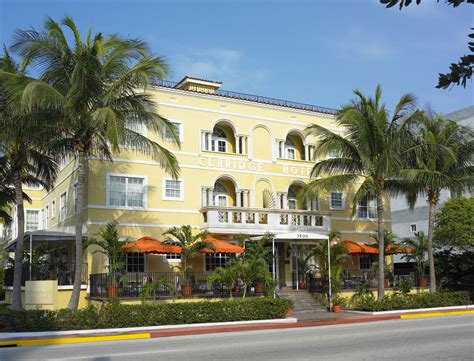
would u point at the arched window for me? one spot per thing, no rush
(290, 149)
(221, 195)
(219, 140)
(292, 199)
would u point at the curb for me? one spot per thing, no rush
(413, 310)
(436, 314)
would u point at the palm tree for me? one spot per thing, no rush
(418, 248)
(367, 152)
(24, 157)
(440, 158)
(97, 86)
(191, 245)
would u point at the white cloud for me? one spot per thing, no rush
(226, 65)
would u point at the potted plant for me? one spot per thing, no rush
(191, 245)
(227, 276)
(415, 251)
(255, 263)
(110, 245)
(336, 284)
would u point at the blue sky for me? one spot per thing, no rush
(315, 52)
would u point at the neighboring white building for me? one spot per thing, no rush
(406, 222)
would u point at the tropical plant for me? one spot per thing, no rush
(24, 157)
(96, 88)
(415, 251)
(191, 245)
(226, 276)
(440, 158)
(150, 288)
(110, 246)
(367, 152)
(257, 249)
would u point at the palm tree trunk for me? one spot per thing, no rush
(432, 201)
(76, 291)
(20, 216)
(380, 234)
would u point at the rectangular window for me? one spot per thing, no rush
(32, 220)
(215, 260)
(172, 189)
(291, 203)
(74, 194)
(62, 206)
(53, 208)
(336, 200)
(177, 130)
(173, 256)
(291, 153)
(221, 146)
(45, 217)
(413, 228)
(135, 126)
(135, 262)
(366, 209)
(366, 261)
(126, 191)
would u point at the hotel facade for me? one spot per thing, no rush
(243, 160)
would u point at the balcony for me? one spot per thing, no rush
(260, 220)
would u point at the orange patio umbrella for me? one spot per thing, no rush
(397, 249)
(357, 248)
(222, 247)
(150, 245)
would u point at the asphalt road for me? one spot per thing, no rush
(442, 338)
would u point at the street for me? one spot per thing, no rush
(440, 338)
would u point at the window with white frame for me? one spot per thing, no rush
(136, 126)
(219, 140)
(62, 206)
(135, 262)
(290, 149)
(215, 260)
(332, 154)
(413, 228)
(221, 195)
(126, 191)
(292, 201)
(366, 209)
(177, 130)
(336, 200)
(74, 195)
(173, 256)
(53, 208)
(173, 189)
(32, 220)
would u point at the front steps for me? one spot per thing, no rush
(304, 304)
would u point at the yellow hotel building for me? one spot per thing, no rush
(243, 159)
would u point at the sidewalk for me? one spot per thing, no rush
(326, 319)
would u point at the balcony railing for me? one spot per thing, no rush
(131, 284)
(270, 219)
(63, 272)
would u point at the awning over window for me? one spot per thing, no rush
(359, 248)
(149, 245)
(222, 247)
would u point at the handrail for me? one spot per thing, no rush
(256, 98)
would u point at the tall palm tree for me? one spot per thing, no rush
(367, 152)
(24, 157)
(98, 88)
(191, 244)
(441, 158)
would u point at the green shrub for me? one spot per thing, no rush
(410, 301)
(112, 315)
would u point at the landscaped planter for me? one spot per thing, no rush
(259, 288)
(423, 282)
(336, 309)
(186, 289)
(112, 291)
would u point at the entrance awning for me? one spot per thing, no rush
(303, 236)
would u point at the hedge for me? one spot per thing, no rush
(409, 301)
(114, 315)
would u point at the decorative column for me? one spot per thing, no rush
(237, 144)
(246, 199)
(203, 140)
(306, 152)
(204, 196)
(238, 199)
(285, 201)
(210, 196)
(209, 141)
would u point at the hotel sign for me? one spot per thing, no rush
(253, 166)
